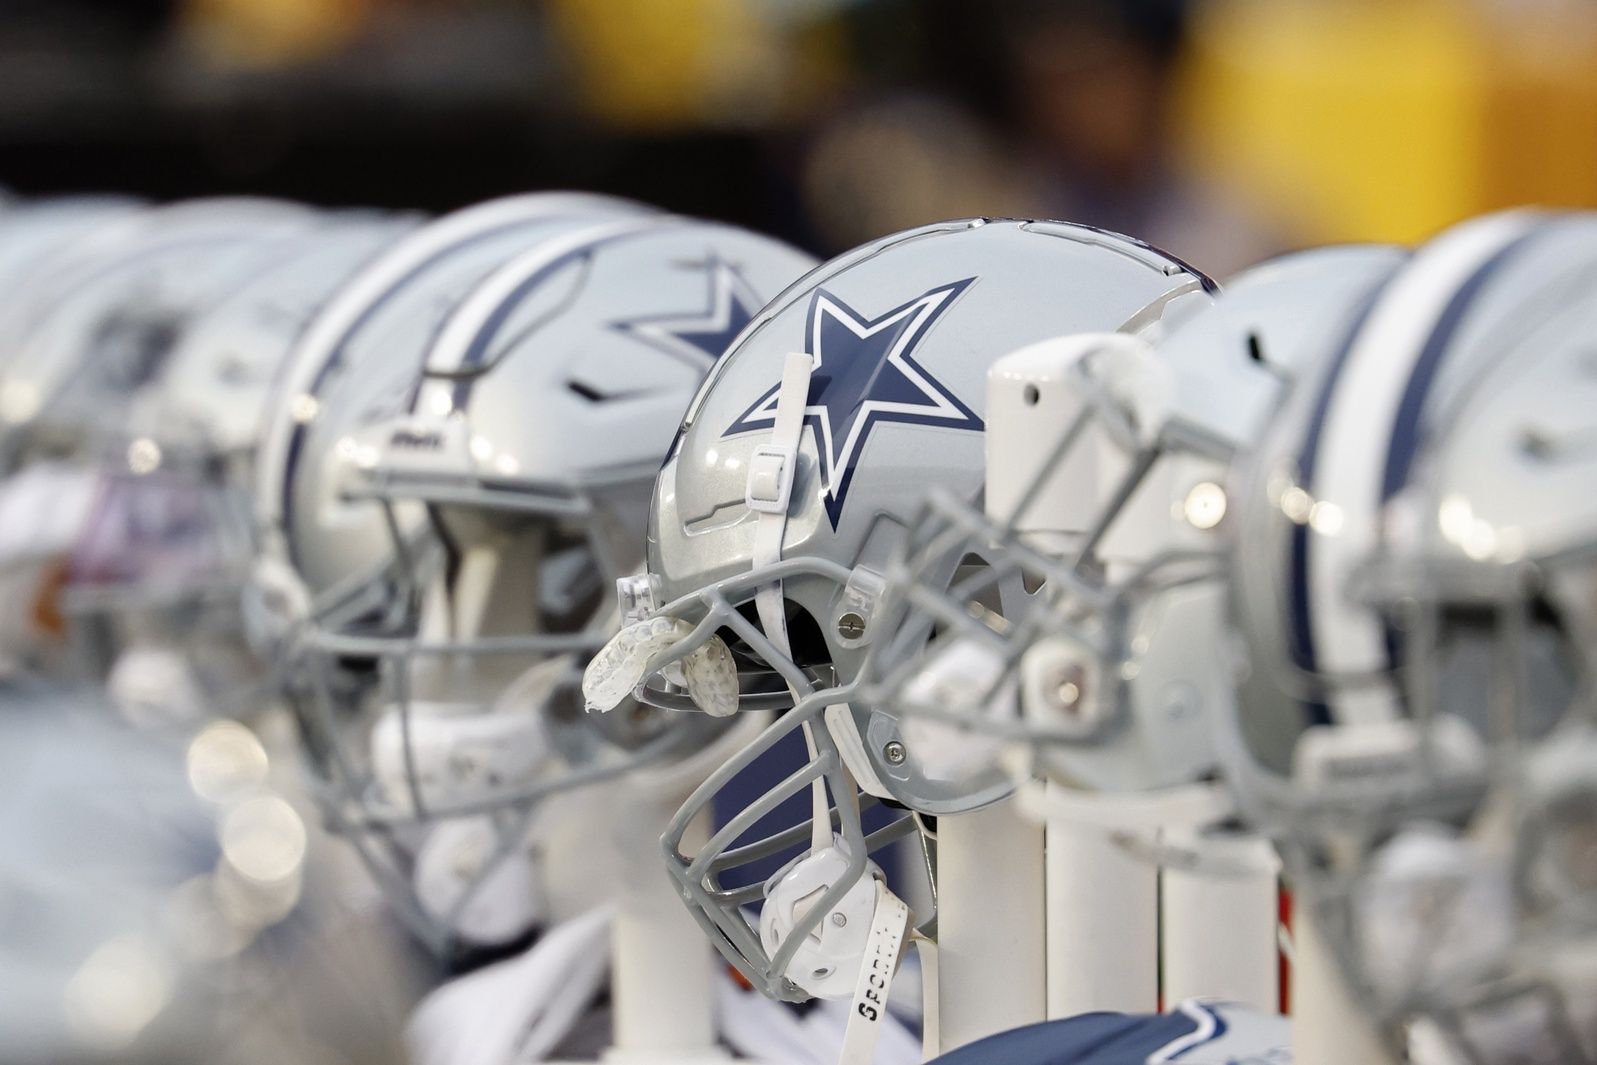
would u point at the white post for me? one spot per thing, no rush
(1103, 922)
(1327, 1026)
(990, 916)
(661, 976)
(1218, 932)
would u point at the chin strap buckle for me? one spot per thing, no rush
(770, 483)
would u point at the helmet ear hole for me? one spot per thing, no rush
(804, 637)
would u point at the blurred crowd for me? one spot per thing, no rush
(1222, 130)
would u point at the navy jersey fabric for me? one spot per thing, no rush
(1195, 1033)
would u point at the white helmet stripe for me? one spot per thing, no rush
(321, 347)
(1369, 399)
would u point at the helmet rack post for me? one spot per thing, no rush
(662, 987)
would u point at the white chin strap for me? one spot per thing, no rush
(770, 489)
(867, 1014)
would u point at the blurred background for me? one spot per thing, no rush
(1221, 129)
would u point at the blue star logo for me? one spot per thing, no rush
(700, 337)
(865, 375)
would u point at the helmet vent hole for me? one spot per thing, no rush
(587, 391)
(1255, 349)
(1031, 395)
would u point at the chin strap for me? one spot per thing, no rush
(891, 932)
(770, 488)
(868, 1009)
(768, 492)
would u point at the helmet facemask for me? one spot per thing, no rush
(792, 933)
(445, 716)
(1454, 863)
(788, 492)
(153, 541)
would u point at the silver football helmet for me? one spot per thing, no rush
(792, 483)
(153, 583)
(84, 334)
(359, 358)
(1413, 586)
(1113, 512)
(507, 481)
(34, 233)
(166, 902)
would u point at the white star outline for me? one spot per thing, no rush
(727, 288)
(942, 408)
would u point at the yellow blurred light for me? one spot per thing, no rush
(247, 906)
(19, 401)
(1480, 543)
(304, 408)
(1454, 517)
(1391, 119)
(1296, 504)
(271, 32)
(1325, 518)
(658, 64)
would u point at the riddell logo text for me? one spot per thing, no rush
(417, 439)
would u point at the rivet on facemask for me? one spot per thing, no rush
(709, 672)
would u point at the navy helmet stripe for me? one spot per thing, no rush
(1405, 437)
(477, 349)
(1302, 632)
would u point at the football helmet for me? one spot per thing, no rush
(90, 328)
(97, 324)
(152, 586)
(33, 233)
(795, 474)
(506, 481)
(382, 322)
(1113, 513)
(167, 903)
(1412, 583)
